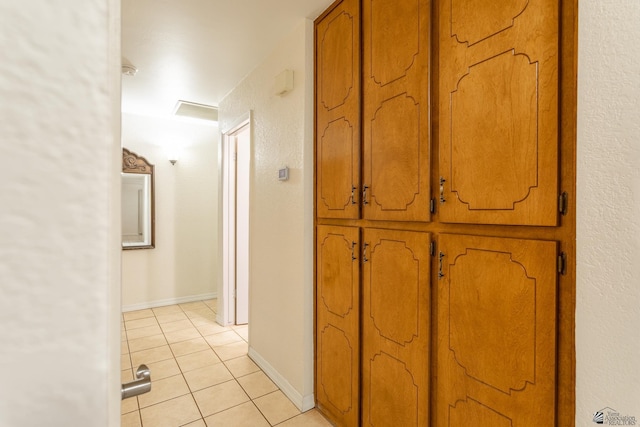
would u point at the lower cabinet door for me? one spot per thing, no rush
(496, 334)
(395, 328)
(337, 323)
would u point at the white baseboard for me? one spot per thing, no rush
(303, 403)
(170, 301)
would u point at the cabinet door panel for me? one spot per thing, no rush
(395, 328)
(337, 323)
(496, 332)
(337, 47)
(498, 85)
(396, 146)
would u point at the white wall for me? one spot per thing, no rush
(183, 265)
(608, 229)
(281, 280)
(59, 213)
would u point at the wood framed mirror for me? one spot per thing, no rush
(138, 210)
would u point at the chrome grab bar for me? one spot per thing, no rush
(139, 386)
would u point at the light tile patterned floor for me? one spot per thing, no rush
(201, 374)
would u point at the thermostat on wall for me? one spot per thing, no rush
(283, 174)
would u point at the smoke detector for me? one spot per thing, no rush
(129, 70)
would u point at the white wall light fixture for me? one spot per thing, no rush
(173, 154)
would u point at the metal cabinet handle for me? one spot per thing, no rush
(139, 386)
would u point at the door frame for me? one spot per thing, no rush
(227, 222)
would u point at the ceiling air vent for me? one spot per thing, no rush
(196, 111)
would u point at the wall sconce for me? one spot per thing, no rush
(173, 154)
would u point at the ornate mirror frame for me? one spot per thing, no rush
(138, 202)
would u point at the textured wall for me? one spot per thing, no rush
(280, 283)
(608, 267)
(183, 264)
(59, 210)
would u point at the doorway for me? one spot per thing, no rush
(236, 155)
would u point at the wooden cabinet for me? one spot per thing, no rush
(337, 323)
(396, 296)
(498, 90)
(337, 101)
(496, 346)
(445, 242)
(395, 109)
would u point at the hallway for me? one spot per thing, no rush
(201, 374)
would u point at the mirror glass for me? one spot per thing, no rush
(137, 202)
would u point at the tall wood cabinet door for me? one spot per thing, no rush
(396, 144)
(337, 49)
(395, 328)
(496, 342)
(337, 323)
(498, 111)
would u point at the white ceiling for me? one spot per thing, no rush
(199, 50)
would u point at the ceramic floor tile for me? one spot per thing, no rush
(223, 396)
(171, 317)
(276, 407)
(163, 369)
(189, 346)
(311, 418)
(146, 331)
(199, 423)
(208, 376)
(123, 335)
(131, 419)
(203, 320)
(211, 328)
(196, 307)
(182, 335)
(140, 323)
(243, 331)
(197, 360)
(231, 351)
(244, 415)
(125, 361)
(241, 366)
(126, 375)
(171, 413)
(138, 314)
(167, 309)
(152, 355)
(124, 347)
(201, 314)
(257, 384)
(193, 305)
(129, 405)
(145, 343)
(211, 303)
(164, 389)
(176, 326)
(223, 338)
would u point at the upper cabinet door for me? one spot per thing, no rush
(498, 111)
(396, 148)
(337, 49)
